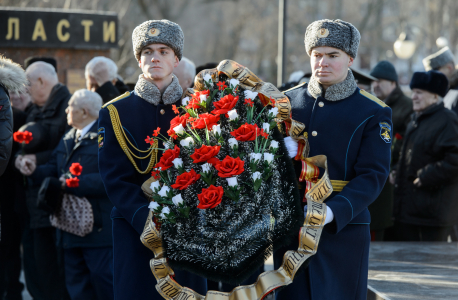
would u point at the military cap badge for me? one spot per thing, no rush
(322, 33)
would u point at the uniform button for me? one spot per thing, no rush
(321, 104)
(314, 133)
(162, 111)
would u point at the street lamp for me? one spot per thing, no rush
(404, 48)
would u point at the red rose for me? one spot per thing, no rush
(167, 158)
(205, 153)
(224, 105)
(229, 167)
(186, 179)
(211, 197)
(183, 120)
(72, 182)
(246, 132)
(205, 119)
(76, 169)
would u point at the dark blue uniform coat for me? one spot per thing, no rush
(133, 278)
(352, 133)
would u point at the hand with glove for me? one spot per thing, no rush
(329, 214)
(291, 145)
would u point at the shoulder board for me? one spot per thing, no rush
(125, 95)
(294, 87)
(373, 98)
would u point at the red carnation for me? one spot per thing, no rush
(205, 153)
(76, 169)
(23, 136)
(221, 85)
(157, 131)
(205, 120)
(183, 120)
(72, 182)
(246, 132)
(210, 197)
(156, 174)
(195, 101)
(166, 160)
(186, 179)
(224, 105)
(248, 102)
(398, 136)
(230, 167)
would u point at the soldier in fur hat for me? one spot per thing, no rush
(354, 130)
(125, 160)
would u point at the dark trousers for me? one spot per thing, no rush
(88, 273)
(417, 233)
(49, 263)
(10, 260)
(32, 278)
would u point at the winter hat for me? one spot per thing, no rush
(385, 70)
(432, 81)
(332, 33)
(158, 32)
(438, 59)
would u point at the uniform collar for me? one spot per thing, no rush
(336, 92)
(150, 93)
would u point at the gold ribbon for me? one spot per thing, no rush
(309, 238)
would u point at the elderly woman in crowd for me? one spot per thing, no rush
(426, 181)
(87, 259)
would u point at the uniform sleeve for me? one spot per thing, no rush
(445, 169)
(371, 169)
(119, 176)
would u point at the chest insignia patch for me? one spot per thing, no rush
(101, 137)
(385, 132)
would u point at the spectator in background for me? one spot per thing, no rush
(21, 101)
(87, 259)
(444, 62)
(12, 80)
(47, 122)
(387, 89)
(185, 72)
(426, 181)
(102, 77)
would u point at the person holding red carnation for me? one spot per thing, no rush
(73, 169)
(126, 159)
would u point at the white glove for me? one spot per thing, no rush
(329, 214)
(291, 145)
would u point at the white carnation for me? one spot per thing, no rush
(232, 142)
(269, 157)
(185, 101)
(163, 191)
(177, 200)
(274, 145)
(232, 181)
(256, 176)
(216, 129)
(206, 167)
(255, 156)
(250, 95)
(208, 77)
(153, 205)
(234, 82)
(232, 114)
(187, 141)
(177, 162)
(203, 98)
(178, 129)
(154, 185)
(273, 111)
(266, 127)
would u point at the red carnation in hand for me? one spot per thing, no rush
(205, 120)
(210, 197)
(224, 105)
(23, 136)
(183, 120)
(166, 160)
(186, 179)
(76, 169)
(27, 136)
(230, 167)
(246, 132)
(72, 182)
(205, 153)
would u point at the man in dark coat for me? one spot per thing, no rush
(48, 122)
(353, 129)
(387, 89)
(88, 259)
(426, 184)
(125, 160)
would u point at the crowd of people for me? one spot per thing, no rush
(417, 202)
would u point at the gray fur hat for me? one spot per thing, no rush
(332, 33)
(158, 32)
(438, 59)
